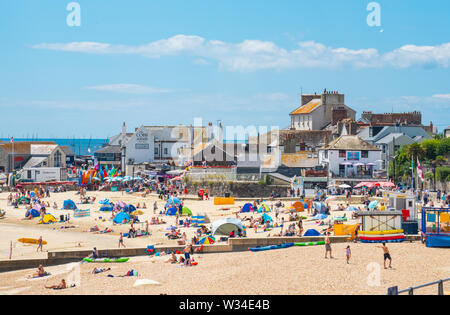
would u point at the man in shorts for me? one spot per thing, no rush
(328, 246)
(387, 255)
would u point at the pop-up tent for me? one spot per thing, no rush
(104, 202)
(225, 226)
(33, 212)
(106, 207)
(299, 206)
(247, 207)
(320, 207)
(47, 219)
(263, 208)
(266, 218)
(129, 208)
(172, 211)
(173, 201)
(311, 232)
(186, 212)
(69, 205)
(122, 217)
(320, 216)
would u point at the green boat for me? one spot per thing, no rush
(106, 260)
(310, 243)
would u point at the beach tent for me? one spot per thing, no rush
(186, 212)
(320, 216)
(172, 211)
(263, 208)
(351, 208)
(106, 207)
(225, 226)
(129, 208)
(247, 207)
(121, 217)
(33, 212)
(299, 206)
(311, 232)
(69, 204)
(320, 207)
(47, 219)
(266, 218)
(104, 202)
(373, 204)
(208, 239)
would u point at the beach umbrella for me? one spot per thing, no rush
(373, 204)
(347, 163)
(345, 186)
(208, 239)
(170, 228)
(351, 208)
(137, 212)
(361, 185)
(386, 184)
(371, 164)
(359, 164)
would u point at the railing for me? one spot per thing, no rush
(410, 290)
(224, 177)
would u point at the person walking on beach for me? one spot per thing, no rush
(387, 255)
(348, 254)
(39, 244)
(328, 246)
(121, 240)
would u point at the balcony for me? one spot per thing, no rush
(362, 175)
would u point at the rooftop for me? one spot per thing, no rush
(349, 142)
(308, 107)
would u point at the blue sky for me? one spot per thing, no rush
(243, 62)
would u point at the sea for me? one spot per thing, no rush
(78, 146)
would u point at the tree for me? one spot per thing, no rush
(443, 147)
(415, 151)
(430, 148)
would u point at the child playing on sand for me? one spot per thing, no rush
(348, 253)
(328, 246)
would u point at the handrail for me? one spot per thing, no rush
(410, 290)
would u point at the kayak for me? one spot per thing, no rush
(31, 241)
(106, 260)
(270, 247)
(310, 243)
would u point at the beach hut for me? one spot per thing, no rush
(69, 205)
(311, 232)
(247, 207)
(122, 217)
(172, 211)
(263, 208)
(225, 226)
(47, 219)
(208, 239)
(186, 212)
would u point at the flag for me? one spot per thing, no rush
(419, 171)
(12, 140)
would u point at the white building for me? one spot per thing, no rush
(350, 157)
(157, 144)
(319, 111)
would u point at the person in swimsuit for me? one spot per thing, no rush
(387, 255)
(348, 253)
(328, 246)
(60, 286)
(121, 240)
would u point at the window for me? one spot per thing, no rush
(325, 154)
(57, 159)
(342, 153)
(166, 151)
(364, 154)
(156, 151)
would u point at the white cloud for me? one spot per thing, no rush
(442, 96)
(253, 55)
(128, 88)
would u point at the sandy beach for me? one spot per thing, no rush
(297, 270)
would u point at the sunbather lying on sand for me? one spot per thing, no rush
(172, 259)
(62, 285)
(99, 270)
